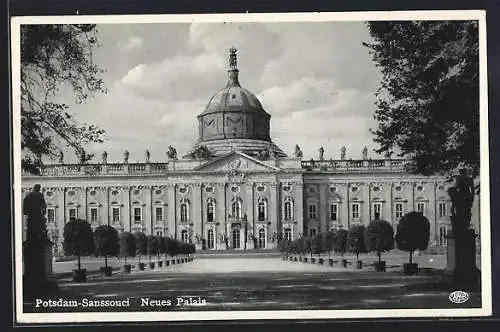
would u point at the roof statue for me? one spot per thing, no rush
(104, 157)
(365, 153)
(172, 152)
(148, 155)
(298, 153)
(125, 156)
(321, 153)
(233, 62)
(342, 153)
(61, 157)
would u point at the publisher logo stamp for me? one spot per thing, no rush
(458, 297)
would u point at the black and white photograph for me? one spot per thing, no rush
(250, 166)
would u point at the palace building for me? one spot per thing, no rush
(237, 189)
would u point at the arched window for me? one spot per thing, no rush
(210, 211)
(236, 238)
(184, 235)
(210, 239)
(184, 210)
(261, 210)
(288, 209)
(236, 209)
(288, 234)
(262, 238)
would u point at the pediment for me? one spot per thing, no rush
(235, 161)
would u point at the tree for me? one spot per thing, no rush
(162, 246)
(152, 247)
(106, 242)
(78, 239)
(413, 233)
(356, 240)
(340, 242)
(141, 241)
(173, 247)
(128, 246)
(317, 244)
(56, 56)
(379, 237)
(428, 101)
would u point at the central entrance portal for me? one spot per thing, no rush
(236, 238)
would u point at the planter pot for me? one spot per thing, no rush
(160, 264)
(410, 268)
(320, 261)
(379, 266)
(152, 265)
(126, 268)
(107, 271)
(80, 275)
(167, 262)
(344, 263)
(313, 260)
(330, 262)
(304, 260)
(359, 264)
(141, 266)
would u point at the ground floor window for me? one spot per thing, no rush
(442, 236)
(377, 211)
(51, 215)
(288, 234)
(262, 238)
(236, 238)
(210, 239)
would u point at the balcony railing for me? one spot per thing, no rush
(102, 169)
(356, 165)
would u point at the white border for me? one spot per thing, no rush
(485, 310)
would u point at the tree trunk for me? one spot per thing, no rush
(79, 265)
(411, 257)
(105, 261)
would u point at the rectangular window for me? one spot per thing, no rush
(137, 214)
(399, 210)
(210, 212)
(159, 213)
(51, 215)
(93, 214)
(421, 207)
(377, 211)
(72, 214)
(442, 209)
(333, 212)
(262, 211)
(355, 210)
(311, 211)
(116, 214)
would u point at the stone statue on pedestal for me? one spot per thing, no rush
(34, 207)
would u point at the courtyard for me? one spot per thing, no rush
(262, 282)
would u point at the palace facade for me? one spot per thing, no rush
(237, 189)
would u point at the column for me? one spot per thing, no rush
(250, 194)
(298, 209)
(146, 210)
(170, 212)
(197, 215)
(323, 208)
(273, 213)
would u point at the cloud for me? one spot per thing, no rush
(133, 43)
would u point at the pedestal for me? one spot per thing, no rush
(461, 260)
(37, 263)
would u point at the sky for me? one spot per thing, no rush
(316, 79)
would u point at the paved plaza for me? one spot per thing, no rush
(265, 283)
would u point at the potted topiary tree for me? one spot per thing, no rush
(340, 244)
(316, 247)
(152, 249)
(379, 237)
(328, 245)
(141, 241)
(412, 233)
(356, 242)
(106, 244)
(160, 248)
(78, 241)
(128, 248)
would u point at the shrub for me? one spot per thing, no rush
(128, 246)
(328, 238)
(106, 242)
(317, 244)
(379, 237)
(172, 247)
(413, 233)
(78, 239)
(356, 240)
(152, 247)
(162, 246)
(340, 242)
(141, 242)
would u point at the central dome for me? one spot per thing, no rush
(234, 119)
